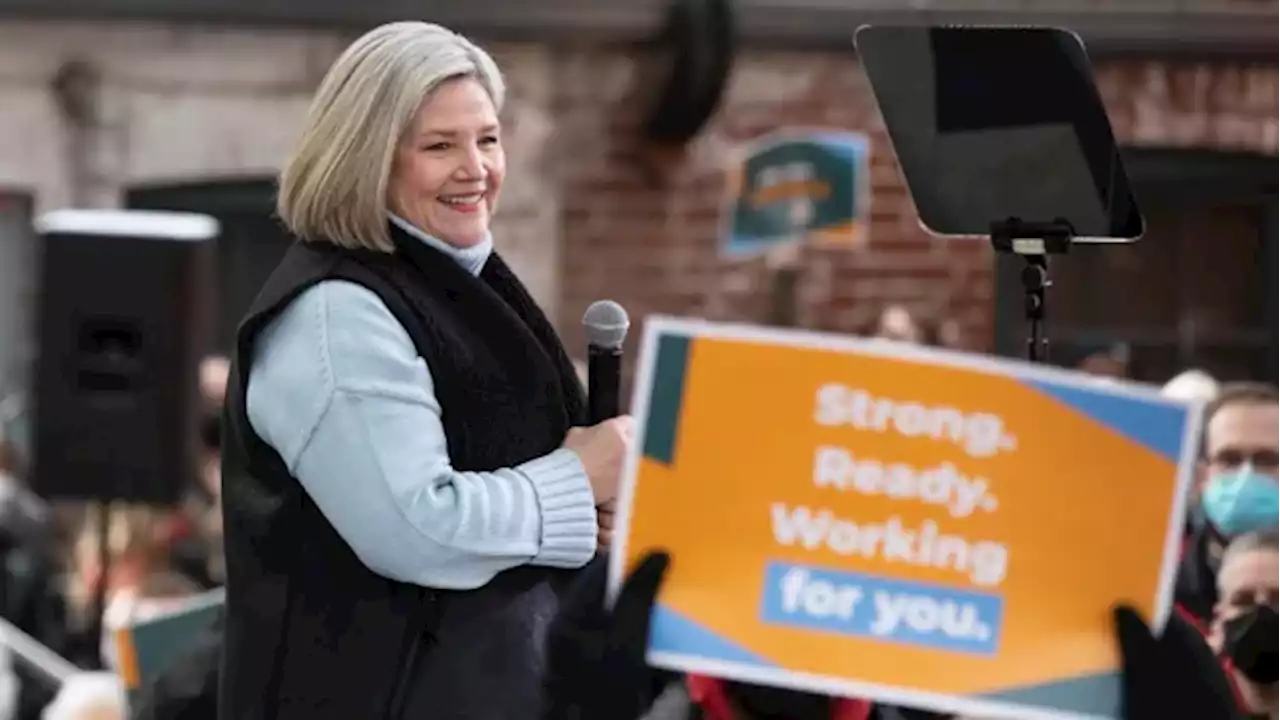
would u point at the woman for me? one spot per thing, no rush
(404, 491)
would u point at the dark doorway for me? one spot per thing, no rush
(251, 243)
(1199, 290)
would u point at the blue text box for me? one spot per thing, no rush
(895, 611)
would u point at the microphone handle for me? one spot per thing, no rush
(604, 383)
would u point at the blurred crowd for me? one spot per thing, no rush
(1227, 585)
(158, 559)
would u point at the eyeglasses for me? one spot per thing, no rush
(1229, 458)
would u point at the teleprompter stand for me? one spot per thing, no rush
(1001, 132)
(1034, 242)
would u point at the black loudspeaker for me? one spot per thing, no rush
(123, 319)
(699, 43)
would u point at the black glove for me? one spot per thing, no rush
(596, 657)
(1173, 676)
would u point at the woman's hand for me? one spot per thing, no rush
(602, 448)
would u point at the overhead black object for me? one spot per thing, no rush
(700, 40)
(122, 311)
(1001, 132)
(995, 123)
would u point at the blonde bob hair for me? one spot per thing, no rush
(334, 187)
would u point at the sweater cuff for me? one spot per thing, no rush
(567, 508)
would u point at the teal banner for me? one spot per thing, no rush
(798, 186)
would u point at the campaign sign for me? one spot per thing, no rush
(798, 185)
(923, 528)
(145, 648)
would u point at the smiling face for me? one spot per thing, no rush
(449, 166)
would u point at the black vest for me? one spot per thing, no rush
(313, 634)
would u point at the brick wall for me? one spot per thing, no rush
(653, 246)
(581, 219)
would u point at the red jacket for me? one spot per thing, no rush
(709, 694)
(1227, 666)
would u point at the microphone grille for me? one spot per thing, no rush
(606, 324)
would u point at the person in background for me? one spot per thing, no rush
(1191, 386)
(15, 435)
(1244, 629)
(188, 688)
(1107, 361)
(141, 580)
(897, 323)
(944, 332)
(1238, 492)
(702, 697)
(214, 371)
(31, 588)
(196, 534)
(596, 666)
(1195, 386)
(26, 522)
(405, 487)
(10, 467)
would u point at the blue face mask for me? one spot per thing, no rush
(1241, 501)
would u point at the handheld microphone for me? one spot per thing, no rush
(606, 324)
